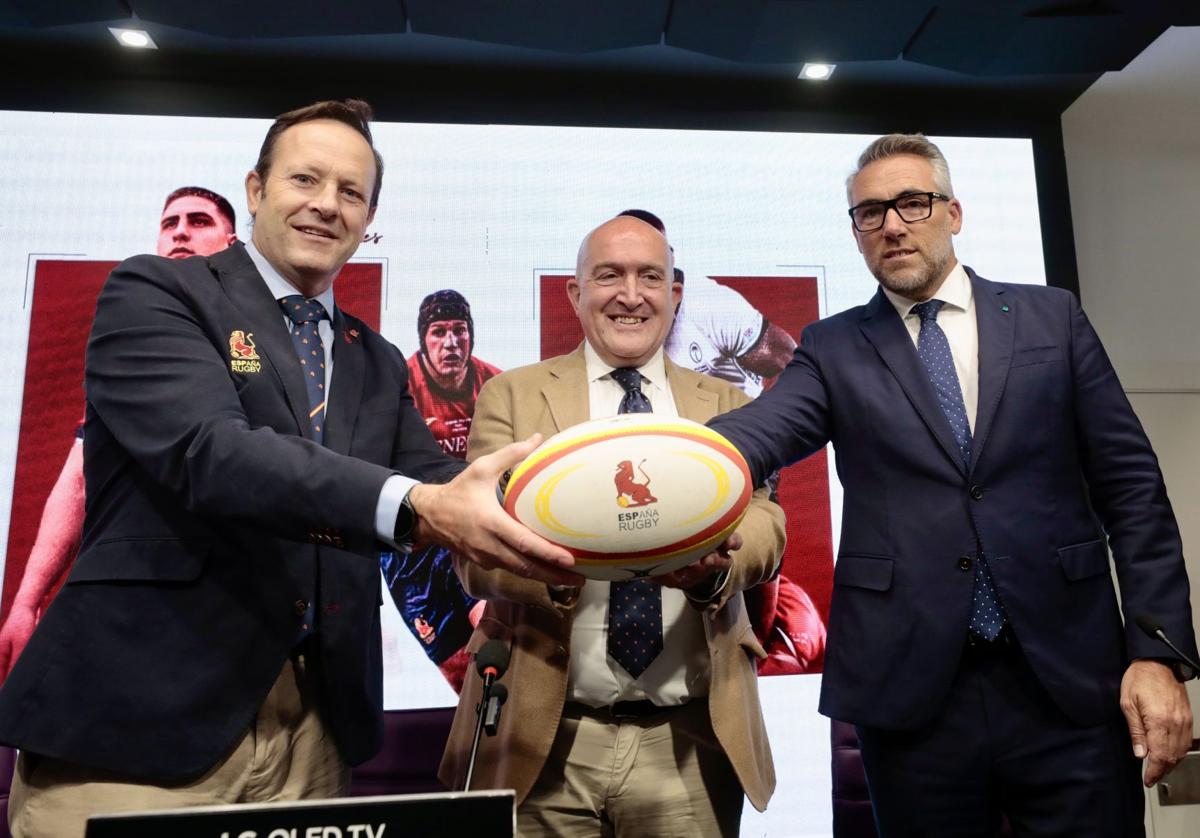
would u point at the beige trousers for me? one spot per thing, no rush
(286, 754)
(651, 778)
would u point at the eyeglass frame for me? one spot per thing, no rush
(891, 205)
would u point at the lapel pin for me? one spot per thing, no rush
(350, 335)
(1004, 308)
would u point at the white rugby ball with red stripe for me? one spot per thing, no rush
(632, 495)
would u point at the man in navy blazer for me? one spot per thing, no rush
(218, 638)
(989, 460)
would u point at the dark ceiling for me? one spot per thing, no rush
(504, 60)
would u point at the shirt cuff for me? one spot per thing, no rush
(395, 490)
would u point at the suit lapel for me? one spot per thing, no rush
(346, 387)
(885, 330)
(568, 406)
(691, 401)
(996, 316)
(264, 320)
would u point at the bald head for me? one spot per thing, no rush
(614, 227)
(624, 290)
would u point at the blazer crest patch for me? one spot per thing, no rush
(243, 353)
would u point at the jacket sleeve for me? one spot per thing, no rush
(1128, 494)
(763, 535)
(788, 422)
(158, 381)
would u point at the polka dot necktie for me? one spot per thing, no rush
(635, 625)
(305, 315)
(987, 614)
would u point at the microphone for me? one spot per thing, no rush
(1153, 629)
(491, 662)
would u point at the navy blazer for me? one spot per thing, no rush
(212, 521)
(1061, 471)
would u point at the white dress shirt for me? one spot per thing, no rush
(957, 319)
(682, 670)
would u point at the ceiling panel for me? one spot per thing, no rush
(768, 31)
(1044, 50)
(276, 18)
(555, 25)
(994, 45)
(62, 12)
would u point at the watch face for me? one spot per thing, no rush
(406, 519)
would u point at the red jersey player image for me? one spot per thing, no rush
(195, 222)
(444, 379)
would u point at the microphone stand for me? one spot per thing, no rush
(480, 709)
(491, 662)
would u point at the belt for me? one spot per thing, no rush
(620, 710)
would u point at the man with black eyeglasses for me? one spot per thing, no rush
(989, 460)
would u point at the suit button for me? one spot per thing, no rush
(300, 608)
(964, 563)
(977, 493)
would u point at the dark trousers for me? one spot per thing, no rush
(1001, 746)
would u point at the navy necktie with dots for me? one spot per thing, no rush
(305, 316)
(635, 625)
(987, 614)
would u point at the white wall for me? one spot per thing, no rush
(1132, 145)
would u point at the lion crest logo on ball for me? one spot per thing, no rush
(629, 491)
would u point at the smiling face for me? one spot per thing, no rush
(193, 226)
(311, 209)
(910, 259)
(448, 346)
(624, 291)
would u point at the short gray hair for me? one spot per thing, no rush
(891, 145)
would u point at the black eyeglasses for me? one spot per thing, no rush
(915, 206)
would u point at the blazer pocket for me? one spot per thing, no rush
(1082, 561)
(1036, 355)
(871, 572)
(749, 643)
(142, 559)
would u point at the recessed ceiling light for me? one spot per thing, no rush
(813, 71)
(133, 38)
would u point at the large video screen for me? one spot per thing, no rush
(494, 214)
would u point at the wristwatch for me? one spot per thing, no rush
(1183, 672)
(406, 523)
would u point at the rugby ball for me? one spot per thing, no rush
(632, 495)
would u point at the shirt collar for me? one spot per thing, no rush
(654, 370)
(955, 292)
(280, 287)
